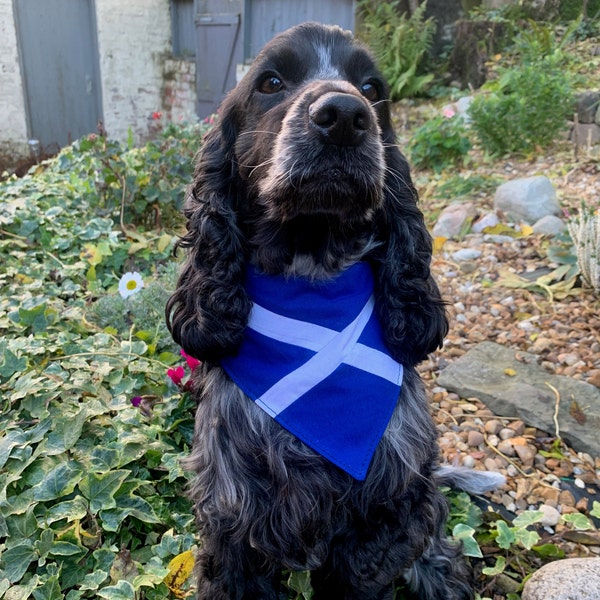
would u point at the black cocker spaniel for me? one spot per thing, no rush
(308, 296)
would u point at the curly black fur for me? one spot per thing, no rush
(302, 177)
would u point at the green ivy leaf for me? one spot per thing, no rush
(128, 506)
(23, 592)
(528, 517)
(45, 542)
(23, 526)
(101, 489)
(65, 549)
(123, 590)
(92, 581)
(49, 591)
(465, 534)
(59, 482)
(578, 521)
(10, 363)
(548, 551)
(299, 581)
(497, 569)
(505, 537)
(71, 510)
(527, 538)
(67, 430)
(10, 440)
(595, 512)
(17, 560)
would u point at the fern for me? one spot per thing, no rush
(400, 45)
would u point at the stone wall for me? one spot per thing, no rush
(13, 122)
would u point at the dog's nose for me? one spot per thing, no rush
(341, 119)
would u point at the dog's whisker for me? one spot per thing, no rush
(268, 161)
(255, 131)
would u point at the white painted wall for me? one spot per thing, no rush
(134, 39)
(13, 122)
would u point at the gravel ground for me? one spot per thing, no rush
(564, 332)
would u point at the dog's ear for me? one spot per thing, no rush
(409, 303)
(209, 309)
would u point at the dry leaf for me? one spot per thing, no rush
(576, 412)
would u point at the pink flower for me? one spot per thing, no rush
(192, 362)
(448, 112)
(176, 375)
(156, 115)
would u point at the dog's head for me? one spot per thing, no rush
(310, 140)
(302, 176)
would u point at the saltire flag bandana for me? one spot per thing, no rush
(313, 357)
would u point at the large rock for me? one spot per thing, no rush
(512, 384)
(569, 579)
(587, 106)
(454, 219)
(549, 225)
(585, 135)
(528, 199)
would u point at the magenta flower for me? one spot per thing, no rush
(192, 362)
(136, 401)
(176, 375)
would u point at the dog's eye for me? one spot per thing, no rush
(370, 91)
(271, 85)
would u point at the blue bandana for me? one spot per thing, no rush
(313, 357)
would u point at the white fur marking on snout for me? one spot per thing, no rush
(326, 68)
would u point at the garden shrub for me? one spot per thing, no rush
(400, 45)
(526, 107)
(440, 143)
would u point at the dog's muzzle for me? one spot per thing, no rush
(339, 118)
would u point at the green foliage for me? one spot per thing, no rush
(440, 143)
(525, 108)
(515, 545)
(92, 495)
(466, 185)
(135, 186)
(538, 41)
(400, 45)
(570, 10)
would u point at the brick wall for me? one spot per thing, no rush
(134, 37)
(139, 75)
(179, 90)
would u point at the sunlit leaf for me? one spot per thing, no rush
(180, 570)
(578, 521)
(497, 568)
(465, 534)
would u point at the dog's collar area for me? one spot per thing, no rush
(313, 358)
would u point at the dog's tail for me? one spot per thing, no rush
(468, 480)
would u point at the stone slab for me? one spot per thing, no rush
(486, 372)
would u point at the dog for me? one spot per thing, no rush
(308, 297)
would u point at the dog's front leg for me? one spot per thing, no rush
(232, 571)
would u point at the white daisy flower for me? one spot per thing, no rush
(131, 283)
